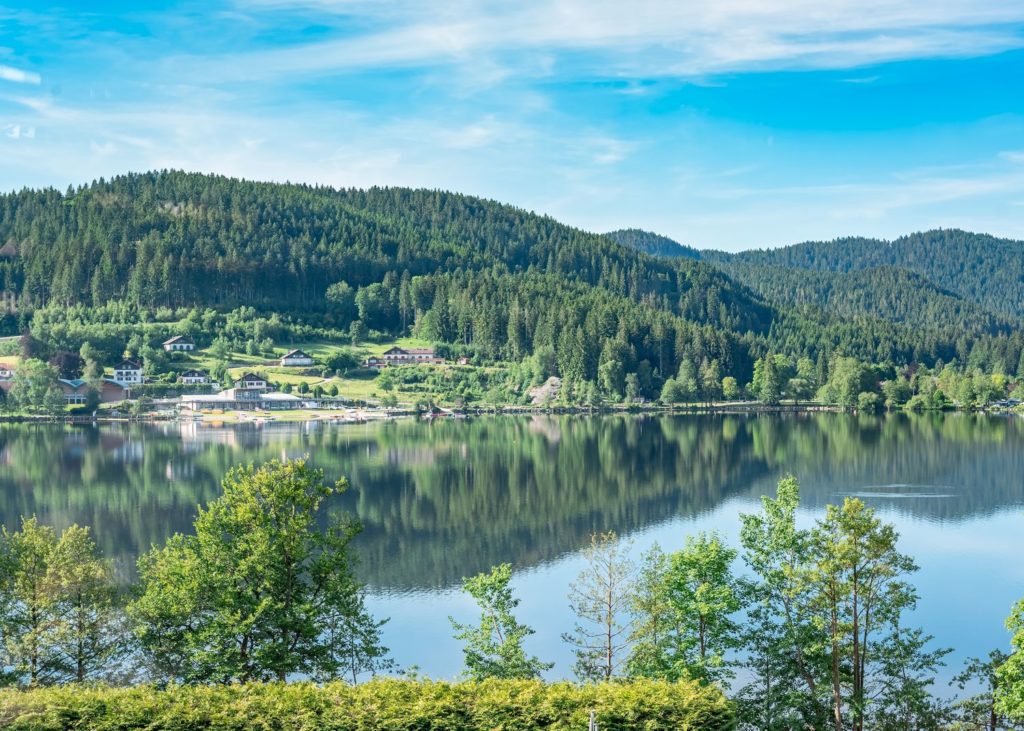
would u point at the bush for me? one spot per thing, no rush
(868, 402)
(380, 704)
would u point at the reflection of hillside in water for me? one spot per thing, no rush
(443, 500)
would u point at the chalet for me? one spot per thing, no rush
(252, 382)
(296, 358)
(128, 372)
(374, 362)
(6, 371)
(179, 344)
(193, 377)
(410, 356)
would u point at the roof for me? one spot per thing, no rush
(274, 396)
(128, 365)
(193, 374)
(73, 382)
(296, 354)
(250, 377)
(409, 351)
(226, 397)
(179, 339)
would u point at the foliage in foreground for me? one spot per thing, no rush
(379, 704)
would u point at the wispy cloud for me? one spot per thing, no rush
(647, 38)
(18, 76)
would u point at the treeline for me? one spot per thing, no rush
(812, 634)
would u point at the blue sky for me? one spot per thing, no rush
(722, 123)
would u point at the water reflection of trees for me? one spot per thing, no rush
(443, 500)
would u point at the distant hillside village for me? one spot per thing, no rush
(127, 381)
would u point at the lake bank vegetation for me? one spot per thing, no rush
(799, 627)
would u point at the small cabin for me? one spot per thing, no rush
(179, 344)
(296, 358)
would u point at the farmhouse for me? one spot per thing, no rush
(410, 356)
(296, 358)
(193, 377)
(179, 343)
(128, 372)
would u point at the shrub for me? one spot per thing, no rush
(386, 704)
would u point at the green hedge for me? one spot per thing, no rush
(387, 705)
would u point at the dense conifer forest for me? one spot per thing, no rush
(501, 283)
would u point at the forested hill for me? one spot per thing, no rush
(498, 282)
(892, 293)
(177, 239)
(942, 278)
(984, 269)
(652, 243)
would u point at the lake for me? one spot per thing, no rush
(446, 499)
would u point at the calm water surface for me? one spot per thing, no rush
(443, 500)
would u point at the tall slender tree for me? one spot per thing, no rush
(600, 599)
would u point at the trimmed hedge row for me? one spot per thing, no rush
(384, 705)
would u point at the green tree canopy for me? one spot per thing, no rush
(261, 591)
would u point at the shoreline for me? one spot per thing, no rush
(365, 415)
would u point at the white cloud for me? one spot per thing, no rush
(18, 76)
(643, 38)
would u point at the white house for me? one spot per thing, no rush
(192, 377)
(252, 382)
(6, 371)
(179, 343)
(296, 358)
(128, 372)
